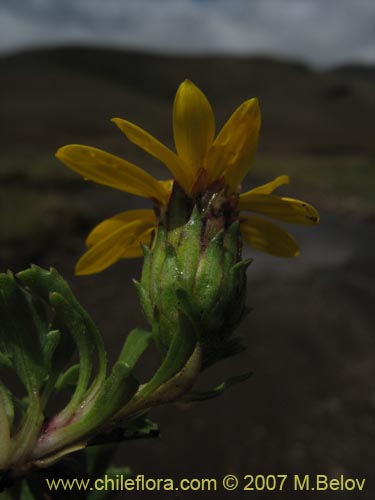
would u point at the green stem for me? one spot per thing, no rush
(24, 441)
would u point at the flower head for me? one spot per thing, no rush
(201, 160)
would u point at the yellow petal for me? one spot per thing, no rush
(235, 146)
(268, 237)
(135, 250)
(146, 141)
(281, 208)
(104, 168)
(167, 185)
(270, 186)
(193, 126)
(109, 250)
(109, 226)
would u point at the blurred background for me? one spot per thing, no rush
(67, 67)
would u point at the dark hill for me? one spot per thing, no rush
(50, 97)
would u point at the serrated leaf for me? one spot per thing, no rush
(44, 283)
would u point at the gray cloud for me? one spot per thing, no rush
(320, 31)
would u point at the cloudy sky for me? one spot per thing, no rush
(322, 32)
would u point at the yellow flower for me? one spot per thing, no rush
(201, 160)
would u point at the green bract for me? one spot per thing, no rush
(193, 276)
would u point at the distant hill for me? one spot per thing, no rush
(51, 97)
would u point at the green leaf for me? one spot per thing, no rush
(136, 343)
(43, 283)
(20, 340)
(19, 336)
(73, 322)
(51, 341)
(180, 383)
(68, 378)
(116, 391)
(181, 348)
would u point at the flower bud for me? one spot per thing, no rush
(194, 266)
